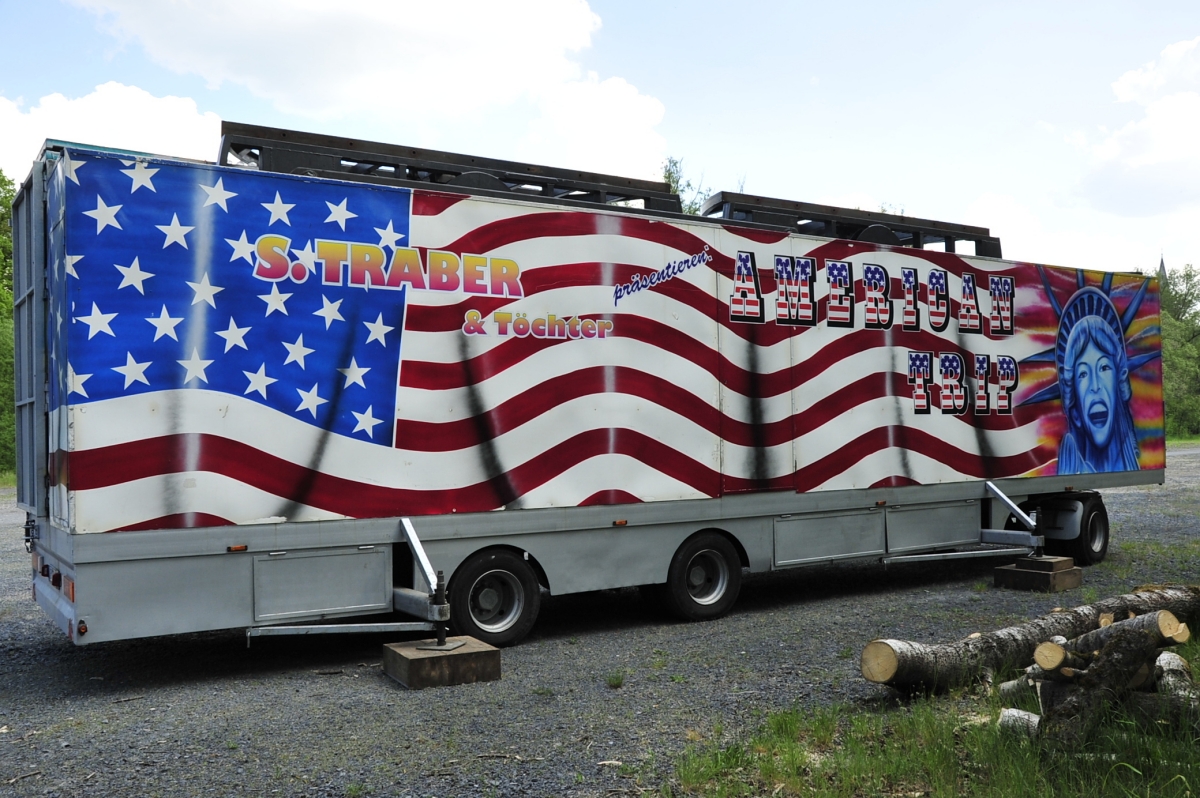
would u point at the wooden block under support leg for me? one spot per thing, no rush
(1044, 574)
(416, 667)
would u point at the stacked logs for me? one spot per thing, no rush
(1119, 663)
(1094, 668)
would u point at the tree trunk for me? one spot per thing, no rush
(907, 665)
(1071, 720)
(1019, 723)
(1052, 656)
(1017, 690)
(1164, 709)
(1173, 675)
(1161, 623)
(1051, 694)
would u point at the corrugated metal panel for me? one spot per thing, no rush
(29, 261)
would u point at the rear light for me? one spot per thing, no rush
(68, 589)
(56, 579)
(241, 547)
(37, 562)
(45, 569)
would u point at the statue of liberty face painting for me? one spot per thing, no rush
(1093, 378)
(1093, 384)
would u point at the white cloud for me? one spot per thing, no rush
(600, 126)
(432, 67)
(1079, 237)
(1179, 63)
(1152, 164)
(113, 115)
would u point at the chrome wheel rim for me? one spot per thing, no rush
(1097, 532)
(706, 577)
(496, 601)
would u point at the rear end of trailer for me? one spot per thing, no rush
(281, 391)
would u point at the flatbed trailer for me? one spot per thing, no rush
(280, 392)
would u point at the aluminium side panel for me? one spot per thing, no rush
(29, 353)
(921, 368)
(241, 347)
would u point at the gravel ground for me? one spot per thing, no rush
(202, 715)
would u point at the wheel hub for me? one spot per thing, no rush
(707, 577)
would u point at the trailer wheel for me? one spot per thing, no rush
(495, 598)
(1092, 544)
(704, 578)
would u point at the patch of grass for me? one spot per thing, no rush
(8, 479)
(846, 652)
(938, 747)
(678, 678)
(660, 659)
(545, 691)
(231, 745)
(355, 790)
(981, 587)
(615, 680)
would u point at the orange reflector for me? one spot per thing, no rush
(69, 588)
(881, 503)
(622, 522)
(242, 547)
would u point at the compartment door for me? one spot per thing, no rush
(929, 526)
(306, 585)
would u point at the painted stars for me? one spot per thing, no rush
(141, 174)
(354, 374)
(329, 311)
(310, 400)
(258, 381)
(338, 213)
(297, 351)
(279, 210)
(195, 367)
(241, 249)
(98, 322)
(234, 335)
(132, 275)
(388, 237)
(164, 324)
(366, 422)
(133, 371)
(105, 215)
(176, 233)
(205, 291)
(217, 195)
(275, 300)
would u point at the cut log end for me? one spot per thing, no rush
(1049, 655)
(1168, 624)
(1182, 635)
(879, 662)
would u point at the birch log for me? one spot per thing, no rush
(1072, 718)
(907, 665)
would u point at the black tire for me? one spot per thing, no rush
(1091, 546)
(494, 597)
(704, 578)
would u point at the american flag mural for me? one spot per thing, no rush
(230, 347)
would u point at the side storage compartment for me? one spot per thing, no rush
(820, 537)
(916, 527)
(322, 583)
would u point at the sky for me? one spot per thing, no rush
(1070, 129)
